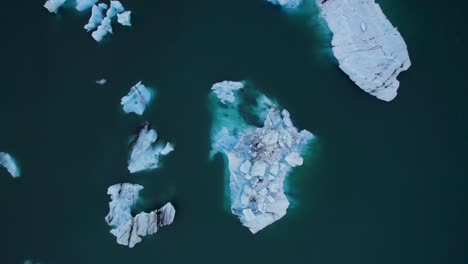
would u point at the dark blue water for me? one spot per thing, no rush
(387, 182)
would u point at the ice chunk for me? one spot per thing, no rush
(124, 18)
(128, 229)
(7, 161)
(101, 81)
(102, 30)
(225, 90)
(82, 5)
(54, 5)
(97, 15)
(144, 155)
(115, 8)
(137, 99)
(368, 48)
(167, 149)
(287, 3)
(257, 197)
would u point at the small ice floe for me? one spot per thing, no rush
(144, 155)
(137, 99)
(286, 3)
(97, 15)
(101, 81)
(54, 5)
(127, 229)
(82, 5)
(124, 18)
(225, 90)
(7, 161)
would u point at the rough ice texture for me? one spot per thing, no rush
(225, 90)
(144, 155)
(286, 3)
(54, 5)
(137, 99)
(7, 161)
(368, 48)
(127, 229)
(82, 5)
(259, 159)
(97, 15)
(124, 18)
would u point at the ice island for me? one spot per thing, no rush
(137, 99)
(127, 229)
(259, 158)
(368, 48)
(7, 161)
(145, 156)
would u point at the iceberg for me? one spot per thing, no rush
(124, 18)
(97, 15)
(145, 156)
(54, 5)
(7, 161)
(102, 30)
(127, 229)
(259, 158)
(115, 8)
(225, 90)
(286, 3)
(368, 48)
(137, 99)
(82, 5)
(101, 81)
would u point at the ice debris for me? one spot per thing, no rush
(144, 155)
(286, 3)
(101, 81)
(124, 18)
(225, 90)
(368, 48)
(9, 163)
(259, 158)
(54, 5)
(127, 229)
(137, 99)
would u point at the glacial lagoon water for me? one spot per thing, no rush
(386, 182)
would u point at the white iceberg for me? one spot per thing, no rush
(9, 163)
(97, 15)
(259, 158)
(225, 90)
(368, 48)
(127, 229)
(102, 30)
(115, 8)
(124, 18)
(82, 5)
(286, 3)
(137, 99)
(54, 5)
(145, 156)
(101, 81)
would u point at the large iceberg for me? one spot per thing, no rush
(54, 5)
(286, 3)
(145, 156)
(368, 48)
(97, 15)
(259, 158)
(137, 99)
(9, 163)
(225, 90)
(127, 229)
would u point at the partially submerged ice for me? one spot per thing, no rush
(127, 229)
(9, 163)
(259, 158)
(225, 90)
(368, 48)
(286, 3)
(144, 155)
(137, 99)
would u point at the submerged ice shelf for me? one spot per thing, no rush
(9, 163)
(259, 158)
(145, 156)
(127, 229)
(368, 48)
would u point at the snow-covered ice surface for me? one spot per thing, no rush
(287, 3)
(225, 90)
(127, 229)
(97, 15)
(9, 163)
(368, 48)
(124, 18)
(259, 158)
(137, 99)
(143, 154)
